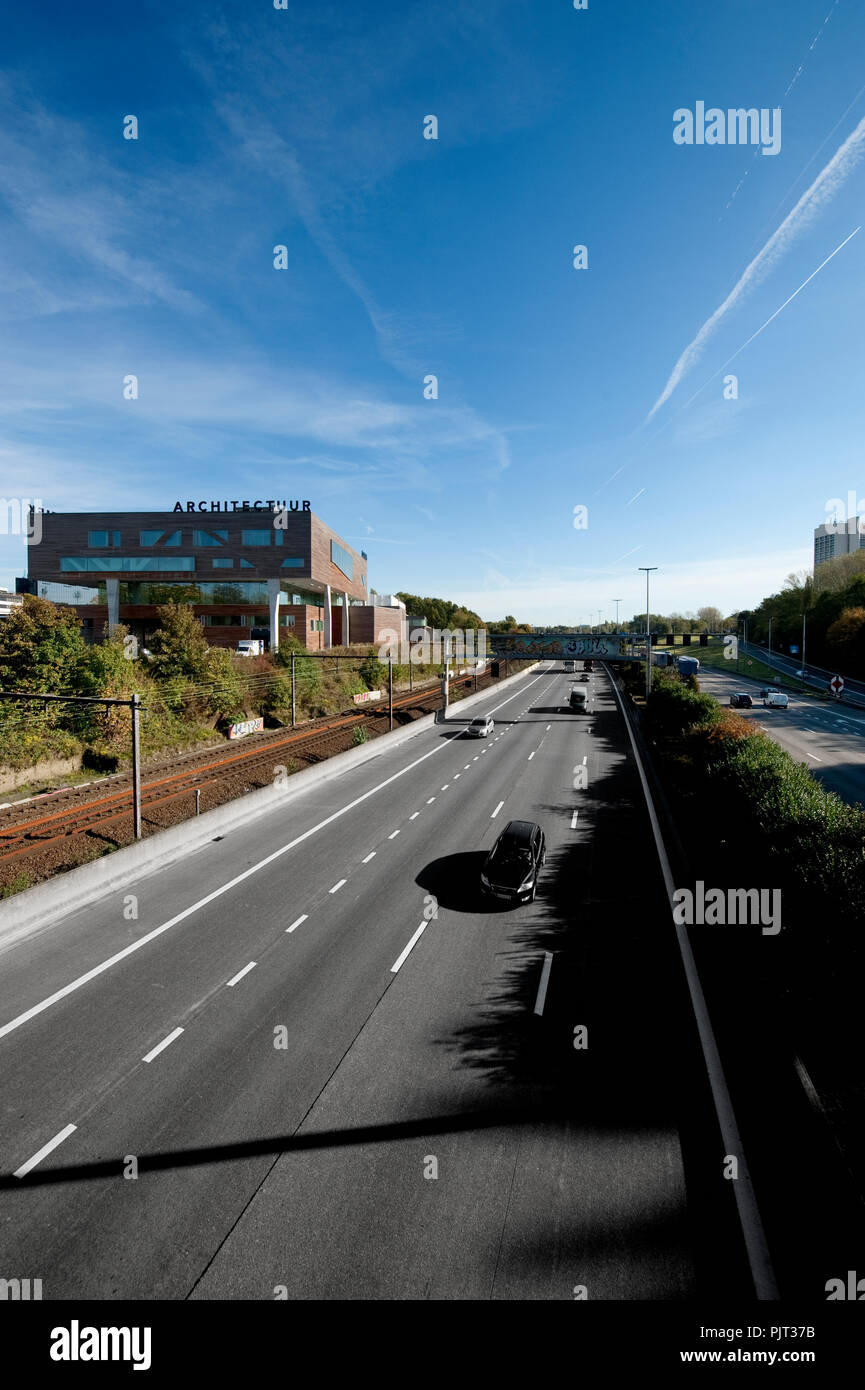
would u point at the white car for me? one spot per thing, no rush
(776, 699)
(482, 727)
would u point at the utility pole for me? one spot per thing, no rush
(649, 569)
(136, 767)
(390, 687)
(617, 601)
(292, 690)
(770, 645)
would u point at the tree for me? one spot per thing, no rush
(372, 671)
(178, 646)
(846, 640)
(41, 648)
(710, 618)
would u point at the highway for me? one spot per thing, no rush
(371, 1096)
(829, 738)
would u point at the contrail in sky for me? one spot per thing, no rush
(824, 187)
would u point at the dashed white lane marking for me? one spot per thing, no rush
(392, 836)
(457, 775)
(531, 755)
(475, 758)
(545, 980)
(431, 800)
(814, 756)
(160, 1047)
(496, 811)
(414, 816)
(368, 857)
(299, 920)
(585, 760)
(404, 954)
(445, 787)
(574, 820)
(547, 729)
(229, 984)
(44, 1151)
(467, 766)
(336, 887)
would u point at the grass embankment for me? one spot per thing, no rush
(748, 816)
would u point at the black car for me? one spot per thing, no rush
(512, 866)
(741, 701)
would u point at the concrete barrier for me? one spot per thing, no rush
(57, 897)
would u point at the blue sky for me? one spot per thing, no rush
(408, 256)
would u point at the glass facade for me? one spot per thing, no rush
(223, 564)
(126, 563)
(209, 537)
(100, 539)
(255, 537)
(342, 559)
(148, 538)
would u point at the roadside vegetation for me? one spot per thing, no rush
(190, 692)
(749, 815)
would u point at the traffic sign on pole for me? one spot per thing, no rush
(836, 685)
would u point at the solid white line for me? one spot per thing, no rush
(160, 1047)
(82, 980)
(574, 820)
(407, 951)
(44, 1151)
(414, 816)
(390, 837)
(336, 887)
(229, 984)
(297, 923)
(545, 980)
(496, 811)
(531, 755)
(368, 857)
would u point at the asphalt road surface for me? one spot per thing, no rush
(339, 1072)
(829, 738)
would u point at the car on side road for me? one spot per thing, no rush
(481, 727)
(741, 701)
(512, 867)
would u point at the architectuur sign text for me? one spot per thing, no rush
(235, 506)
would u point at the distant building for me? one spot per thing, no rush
(9, 602)
(838, 538)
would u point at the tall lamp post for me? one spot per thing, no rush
(617, 601)
(648, 569)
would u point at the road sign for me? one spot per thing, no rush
(836, 685)
(750, 663)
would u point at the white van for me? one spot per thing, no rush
(776, 699)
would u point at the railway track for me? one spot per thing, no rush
(23, 833)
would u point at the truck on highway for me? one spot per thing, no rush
(688, 665)
(250, 646)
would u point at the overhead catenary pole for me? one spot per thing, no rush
(136, 768)
(292, 690)
(390, 687)
(803, 651)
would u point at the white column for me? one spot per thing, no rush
(328, 627)
(112, 593)
(274, 594)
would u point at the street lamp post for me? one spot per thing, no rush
(617, 601)
(648, 569)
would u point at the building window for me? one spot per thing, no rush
(222, 564)
(99, 540)
(293, 563)
(255, 537)
(126, 563)
(342, 559)
(149, 538)
(286, 620)
(209, 537)
(246, 564)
